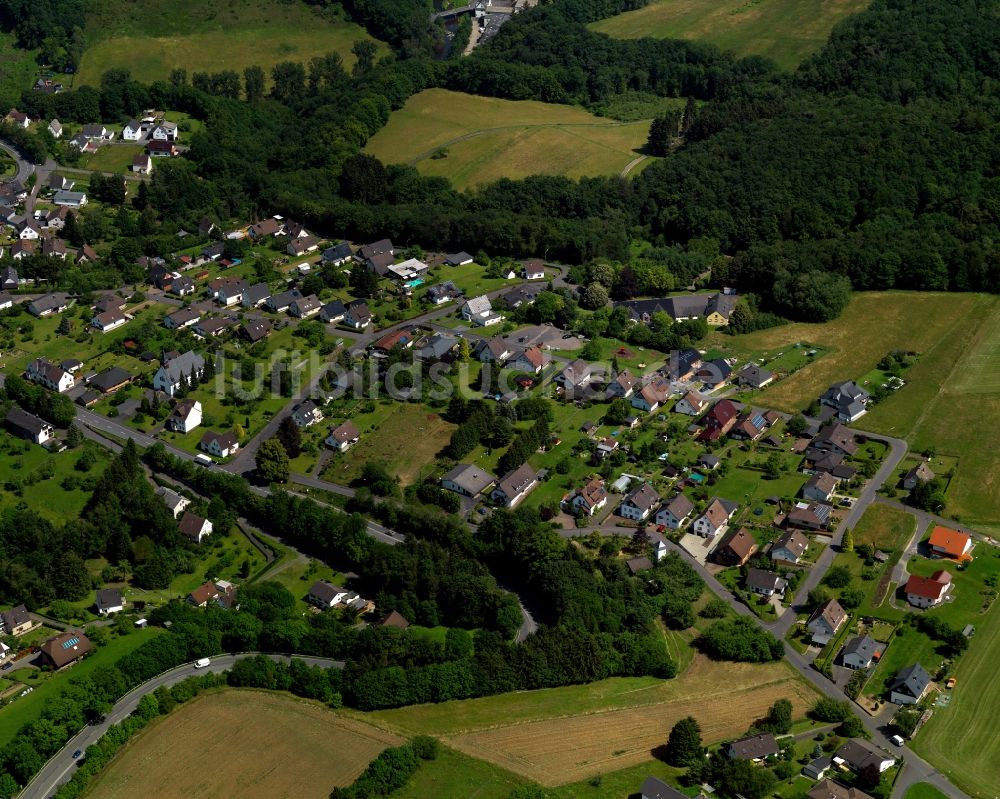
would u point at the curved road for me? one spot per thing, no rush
(59, 768)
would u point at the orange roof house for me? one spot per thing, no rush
(950, 543)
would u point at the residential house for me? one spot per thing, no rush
(909, 686)
(947, 543)
(765, 583)
(480, 312)
(820, 487)
(63, 649)
(468, 480)
(714, 373)
(108, 601)
(28, 426)
(755, 748)
(304, 307)
(175, 502)
(859, 652)
(675, 513)
(825, 621)
(185, 417)
(281, 302)
(789, 547)
(588, 499)
(338, 254)
(921, 473)
(71, 199)
(735, 548)
(530, 360)
(142, 164)
(302, 245)
(194, 527)
(185, 317)
(221, 445)
(718, 421)
(835, 437)
(927, 592)
(333, 312)
(493, 350)
(691, 404)
(638, 504)
(48, 304)
(828, 789)
(848, 399)
(16, 621)
(754, 376)
(623, 384)
(654, 788)
(652, 395)
(358, 315)
(110, 380)
(306, 414)
(858, 755)
(254, 330)
(515, 486)
(108, 321)
(458, 259)
(533, 269)
(132, 130)
(46, 373)
(682, 364)
(715, 520)
(343, 437)
(809, 516)
(178, 371)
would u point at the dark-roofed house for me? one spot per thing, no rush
(858, 755)
(468, 480)
(848, 399)
(109, 600)
(789, 547)
(639, 503)
(735, 548)
(343, 437)
(194, 527)
(908, 687)
(715, 520)
(828, 789)
(515, 485)
(859, 652)
(675, 513)
(754, 376)
(765, 583)
(756, 747)
(825, 621)
(222, 445)
(28, 426)
(718, 421)
(65, 648)
(655, 788)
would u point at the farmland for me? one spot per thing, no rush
(484, 139)
(209, 36)
(786, 31)
(272, 746)
(532, 734)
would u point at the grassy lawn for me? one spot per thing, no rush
(487, 139)
(961, 739)
(29, 708)
(211, 36)
(952, 387)
(404, 437)
(785, 31)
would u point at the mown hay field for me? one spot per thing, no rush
(250, 744)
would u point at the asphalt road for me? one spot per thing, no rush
(59, 769)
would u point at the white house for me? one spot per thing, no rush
(185, 417)
(675, 513)
(169, 376)
(715, 519)
(639, 503)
